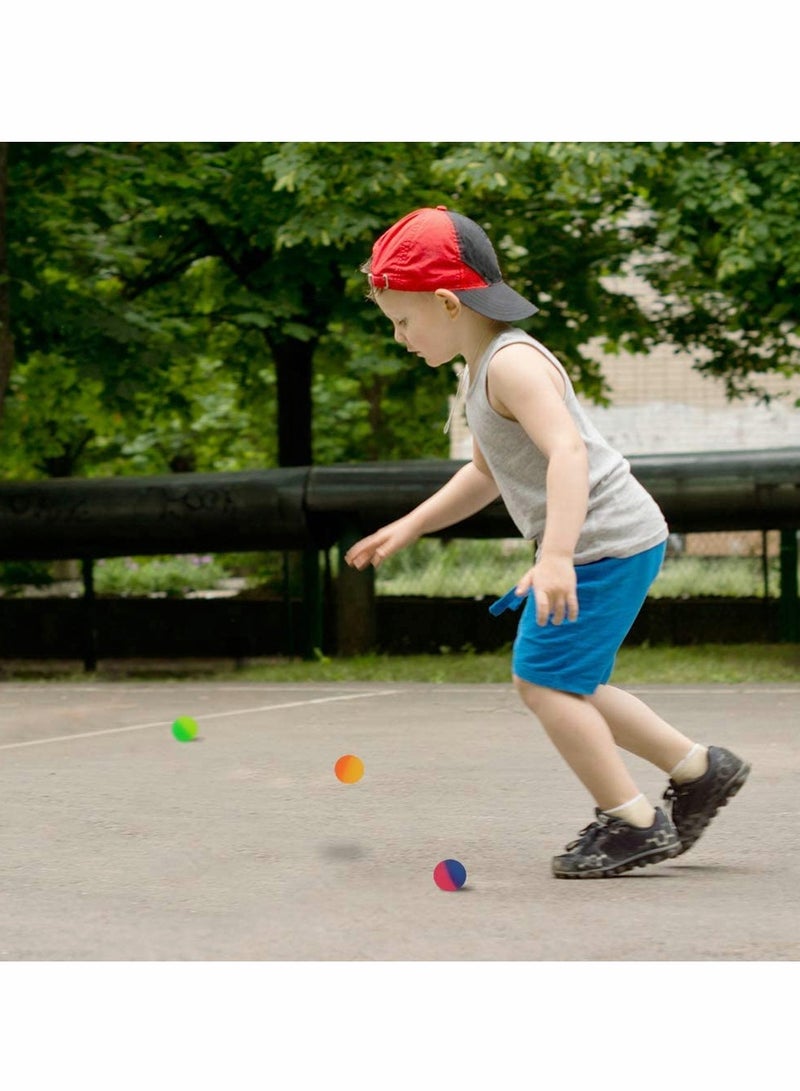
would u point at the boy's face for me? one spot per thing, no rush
(423, 322)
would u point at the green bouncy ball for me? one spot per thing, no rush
(185, 729)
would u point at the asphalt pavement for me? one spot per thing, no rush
(120, 843)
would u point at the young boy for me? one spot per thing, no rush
(600, 540)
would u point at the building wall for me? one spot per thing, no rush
(661, 404)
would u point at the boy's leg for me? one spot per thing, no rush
(701, 779)
(582, 736)
(639, 730)
(629, 831)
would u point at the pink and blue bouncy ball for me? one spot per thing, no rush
(449, 875)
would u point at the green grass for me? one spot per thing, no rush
(460, 568)
(736, 577)
(635, 666)
(171, 575)
(700, 665)
(733, 663)
(465, 567)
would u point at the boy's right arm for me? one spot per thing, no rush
(468, 491)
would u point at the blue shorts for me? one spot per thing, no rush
(578, 656)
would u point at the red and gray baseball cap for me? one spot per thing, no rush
(435, 248)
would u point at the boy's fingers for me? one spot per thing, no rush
(361, 553)
(556, 609)
(542, 607)
(357, 558)
(364, 553)
(524, 586)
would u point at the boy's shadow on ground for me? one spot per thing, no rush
(342, 850)
(688, 869)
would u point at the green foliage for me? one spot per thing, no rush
(167, 299)
(269, 572)
(377, 406)
(724, 253)
(15, 575)
(150, 575)
(53, 414)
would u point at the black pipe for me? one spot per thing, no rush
(300, 508)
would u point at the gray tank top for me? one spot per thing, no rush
(622, 517)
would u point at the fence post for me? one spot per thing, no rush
(356, 625)
(312, 604)
(89, 616)
(789, 606)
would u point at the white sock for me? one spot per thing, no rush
(692, 766)
(638, 811)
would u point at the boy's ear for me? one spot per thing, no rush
(450, 301)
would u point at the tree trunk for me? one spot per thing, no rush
(6, 342)
(293, 371)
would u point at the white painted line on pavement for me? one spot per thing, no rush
(207, 716)
(716, 689)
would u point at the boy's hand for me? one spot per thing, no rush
(380, 545)
(555, 589)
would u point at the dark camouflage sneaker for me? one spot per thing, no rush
(610, 846)
(692, 805)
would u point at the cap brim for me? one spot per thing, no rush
(497, 301)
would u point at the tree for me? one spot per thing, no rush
(83, 351)
(6, 338)
(187, 305)
(721, 247)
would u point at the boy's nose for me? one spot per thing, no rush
(399, 337)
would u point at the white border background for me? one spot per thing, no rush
(411, 71)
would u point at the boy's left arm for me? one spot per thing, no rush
(525, 387)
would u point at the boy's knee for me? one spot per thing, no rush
(519, 683)
(542, 700)
(530, 693)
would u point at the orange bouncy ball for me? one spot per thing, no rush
(349, 769)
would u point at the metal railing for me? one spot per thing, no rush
(313, 509)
